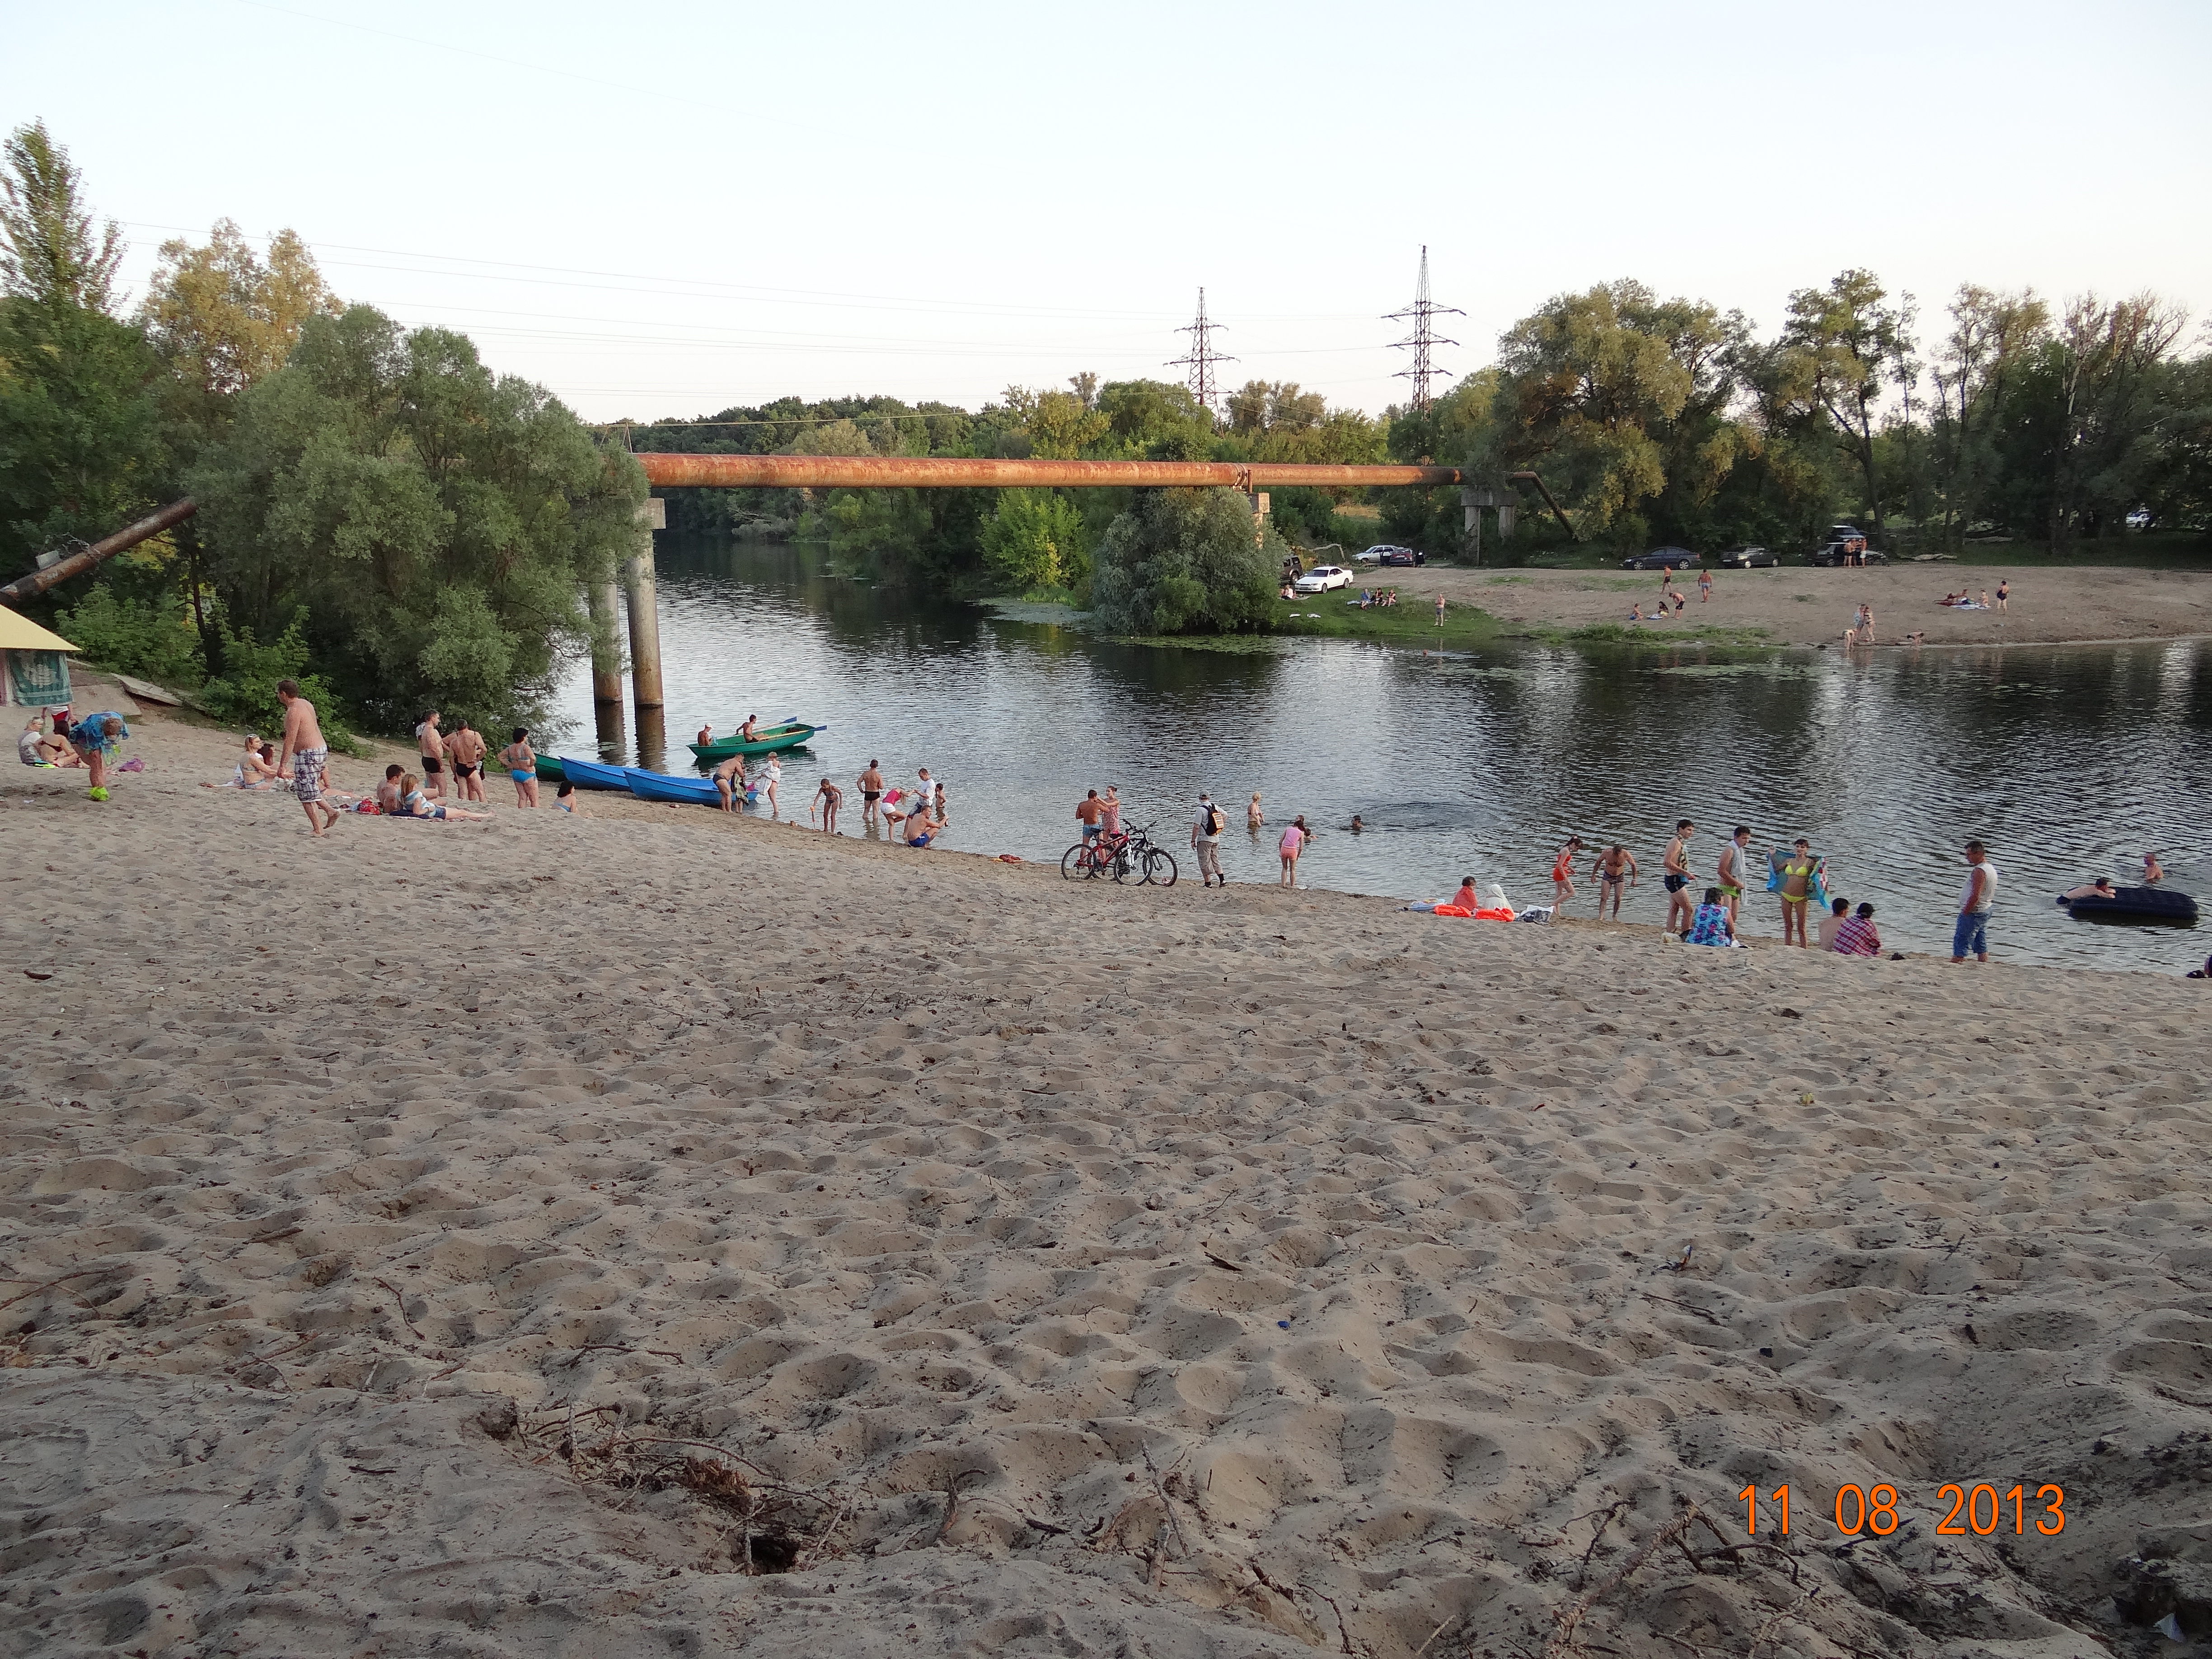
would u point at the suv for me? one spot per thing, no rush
(1747, 558)
(1661, 558)
(1845, 542)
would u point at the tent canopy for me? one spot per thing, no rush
(21, 633)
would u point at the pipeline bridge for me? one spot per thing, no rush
(681, 471)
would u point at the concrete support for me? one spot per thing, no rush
(606, 600)
(644, 613)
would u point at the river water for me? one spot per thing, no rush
(2069, 762)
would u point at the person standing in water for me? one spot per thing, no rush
(831, 798)
(1729, 873)
(1254, 818)
(1970, 934)
(729, 781)
(1293, 843)
(1611, 869)
(1563, 873)
(1677, 866)
(309, 754)
(871, 783)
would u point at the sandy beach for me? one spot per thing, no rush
(1798, 605)
(485, 1239)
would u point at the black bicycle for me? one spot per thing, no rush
(1136, 854)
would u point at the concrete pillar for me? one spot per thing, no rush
(614, 738)
(606, 600)
(644, 613)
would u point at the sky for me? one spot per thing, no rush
(666, 210)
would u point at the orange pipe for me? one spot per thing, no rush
(945, 472)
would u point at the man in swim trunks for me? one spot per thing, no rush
(1797, 873)
(831, 798)
(309, 754)
(1563, 873)
(431, 743)
(871, 783)
(1611, 868)
(1730, 871)
(1677, 866)
(465, 749)
(1090, 813)
(730, 781)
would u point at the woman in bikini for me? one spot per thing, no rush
(520, 761)
(1800, 878)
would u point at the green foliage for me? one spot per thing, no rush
(244, 692)
(434, 523)
(146, 634)
(81, 450)
(1036, 540)
(49, 254)
(1185, 561)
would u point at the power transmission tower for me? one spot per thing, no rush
(1202, 357)
(1422, 314)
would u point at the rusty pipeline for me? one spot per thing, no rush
(949, 472)
(84, 559)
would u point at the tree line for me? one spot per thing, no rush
(381, 516)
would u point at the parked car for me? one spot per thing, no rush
(1401, 556)
(1322, 577)
(1845, 541)
(1659, 558)
(1747, 558)
(2140, 519)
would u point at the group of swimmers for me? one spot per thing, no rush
(463, 750)
(1796, 875)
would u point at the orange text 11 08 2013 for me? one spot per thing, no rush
(1978, 1510)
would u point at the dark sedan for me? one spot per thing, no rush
(1661, 558)
(1748, 558)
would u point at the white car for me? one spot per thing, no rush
(1322, 577)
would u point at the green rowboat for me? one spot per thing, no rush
(550, 769)
(767, 740)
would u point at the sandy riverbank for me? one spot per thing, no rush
(1796, 604)
(388, 1219)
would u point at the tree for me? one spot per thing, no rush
(1844, 343)
(1185, 561)
(1992, 335)
(1621, 400)
(51, 256)
(1034, 539)
(223, 317)
(432, 524)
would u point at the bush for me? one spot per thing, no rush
(150, 637)
(1035, 541)
(245, 693)
(1185, 561)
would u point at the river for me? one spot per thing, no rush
(2069, 762)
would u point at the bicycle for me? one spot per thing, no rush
(1154, 866)
(1086, 859)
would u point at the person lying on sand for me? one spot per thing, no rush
(414, 804)
(2100, 888)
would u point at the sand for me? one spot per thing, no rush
(1798, 605)
(386, 1221)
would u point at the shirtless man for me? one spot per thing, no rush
(1730, 871)
(2100, 888)
(745, 732)
(1677, 866)
(2152, 870)
(1610, 868)
(705, 735)
(465, 749)
(309, 754)
(730, 780)
(831, 798)
(871, 784)
(431, 743)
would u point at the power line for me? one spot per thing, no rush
(1422, 314)
(1202, 357)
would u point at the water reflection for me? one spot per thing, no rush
(2070, 762)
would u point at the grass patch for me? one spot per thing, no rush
(1629, 634)
(1410, 622)
(1227, 645)
(2174, 550)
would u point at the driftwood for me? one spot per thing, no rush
(1562, 1636)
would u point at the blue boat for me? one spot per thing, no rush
(591, 774)
(657, 786)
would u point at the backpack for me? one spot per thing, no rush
(1215, 823)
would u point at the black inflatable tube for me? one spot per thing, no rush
(2134, 904)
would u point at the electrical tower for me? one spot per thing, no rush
(1422, 314)
(1202, 357)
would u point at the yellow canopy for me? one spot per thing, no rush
(21, 633)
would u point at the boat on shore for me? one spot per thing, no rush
(589, 775)
(658, 786)
(552, 769)
(765, 740)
